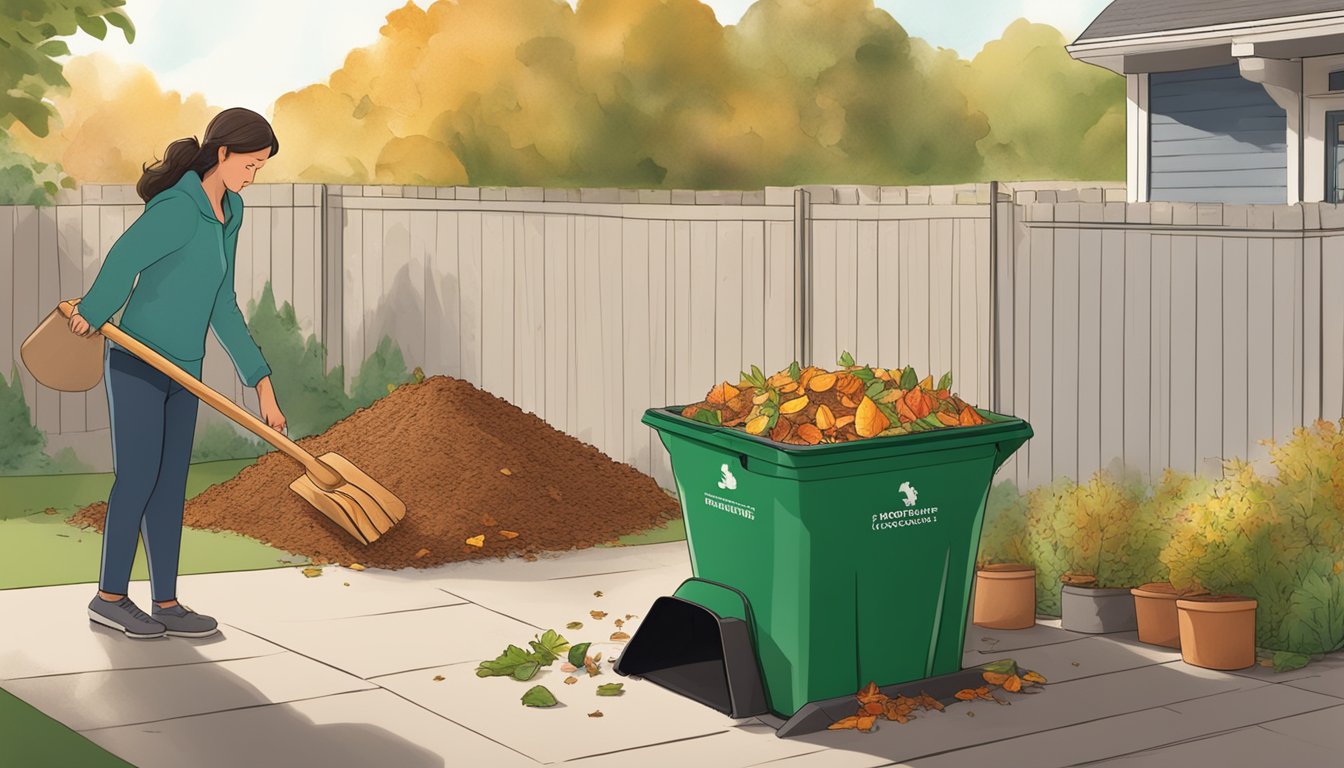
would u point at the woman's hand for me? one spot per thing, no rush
(78, 325)
(270, 409)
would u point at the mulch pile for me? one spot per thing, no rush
(440, 446)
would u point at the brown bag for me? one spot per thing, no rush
(59, 359)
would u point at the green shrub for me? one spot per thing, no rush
(218, 441)
(23, 451)
(311, 397)
(382, 372)
(1279, 540)
(1003, 539)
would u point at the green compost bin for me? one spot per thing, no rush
(817, 569)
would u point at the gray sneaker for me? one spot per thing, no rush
(184, 622)
(125, 616)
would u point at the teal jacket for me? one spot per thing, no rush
(184, 258)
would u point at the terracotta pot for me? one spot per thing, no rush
(1155, 612)
(1096, 610)
(1005, 596)
(1217, 631)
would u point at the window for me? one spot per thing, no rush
(1337, 80)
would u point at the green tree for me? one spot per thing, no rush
(30, 32)
(382, 371)
(23, 449)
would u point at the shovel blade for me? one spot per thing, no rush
(360, 506)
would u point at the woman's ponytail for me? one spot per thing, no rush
(236, 129)
(182, 155)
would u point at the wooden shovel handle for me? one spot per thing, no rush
(321, 473)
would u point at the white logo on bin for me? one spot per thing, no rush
(728, 483)
(911, 495)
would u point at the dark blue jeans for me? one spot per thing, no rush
(153, 422)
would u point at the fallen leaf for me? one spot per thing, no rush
(311, 572)
(928, 702)
(809, 434)
(619, 636)
(571, 680)
(539, 696)
(847, 723)
(866, 722)
(870, 693)
(619, 623)
(599, 615)
(505, 471)
(574, 625)
(825, 418)
(565, 666)
(995, 678)
(438, 678)
(598, 593)
(875, 707)
(722, 393)
(475, 541)
(967, 694)
(597, 657)
(1013, 684)
(870, 420)
(1034, 677)
(596, 713)
(610, 689)
(346, 583)
(424, 552)
(821, 382)
(629, 616)
(355, 567)
(592, 668)
(983, 693)
(508, 534)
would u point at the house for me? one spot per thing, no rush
(1238, 101)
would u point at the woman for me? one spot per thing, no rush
(182, 249)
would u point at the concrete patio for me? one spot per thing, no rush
(310, 671)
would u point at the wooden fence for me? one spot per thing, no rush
(1159, 334)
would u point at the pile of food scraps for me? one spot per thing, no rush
(809, 406)
(875, 705)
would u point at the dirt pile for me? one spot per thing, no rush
(466, 464)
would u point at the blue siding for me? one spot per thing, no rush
(1215, 137)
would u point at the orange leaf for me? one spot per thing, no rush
(927, 383)
(948, 419)
(781, 431)
(810, 434)
(506, 471)
(919, 403)
(995, 678)
(508, 534)
(793, 406)
(599, 615)
(967, 694)
(424, 552)
(722, 393)
(825, 419)
(870, 693)
(903, 411)
(874, 707)
(928, 702)
(619, 636)
(870, 420)
(844, 421)
(1034, 677)
(866, 722)
(1013, 684)
(970, 418)
(477, 541)
(848, 723)
(821, 382)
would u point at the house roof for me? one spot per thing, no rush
(1139, 17)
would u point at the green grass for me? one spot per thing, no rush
(39, 549)
(30, 739)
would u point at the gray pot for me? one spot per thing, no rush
(1096, 611)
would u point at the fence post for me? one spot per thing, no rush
(995, 394)
(332, 276)
(802, 275)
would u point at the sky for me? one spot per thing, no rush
(184, 46)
